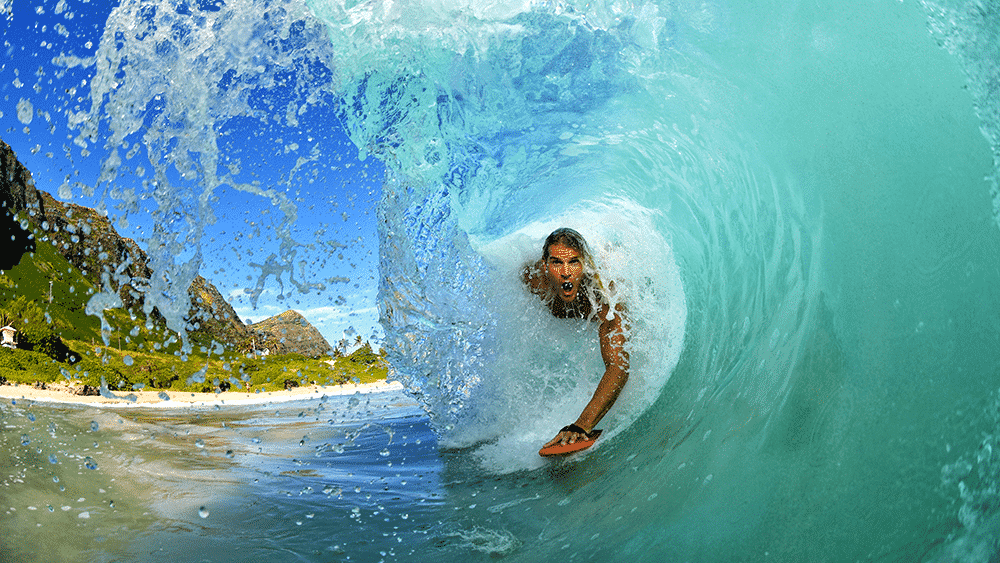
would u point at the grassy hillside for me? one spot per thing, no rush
(25, 292)
(66, 345)
(70, 292)
(148, 371)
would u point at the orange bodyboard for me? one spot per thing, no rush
(566, 449)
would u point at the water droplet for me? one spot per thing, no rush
(50, 508)
(94, 426)
(200, 443)
(89, 463)
(230, 454)
(55, 478)
(384, 453)
(255, 440)
(203, 512)
(128, 360)
(52, 459)
(25, 440)
(25, 111)
(31, 417)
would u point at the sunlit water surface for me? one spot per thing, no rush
(286, 481)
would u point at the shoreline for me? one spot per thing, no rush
(65, 395)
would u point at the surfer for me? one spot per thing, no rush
(567, 282)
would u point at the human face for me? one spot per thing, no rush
(565, 270)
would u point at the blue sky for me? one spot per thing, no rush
(309, 163)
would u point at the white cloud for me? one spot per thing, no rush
(332, 322)
(250, 314)
(239, 294)
(236, 294)
(317, 314)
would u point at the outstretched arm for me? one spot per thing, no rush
(616, 363)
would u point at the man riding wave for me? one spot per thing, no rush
(567, 282)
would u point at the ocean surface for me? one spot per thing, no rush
(798, 202)
(211, 482)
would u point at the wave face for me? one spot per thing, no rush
(790, 199)
(794, 196)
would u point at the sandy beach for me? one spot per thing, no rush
(165, 398)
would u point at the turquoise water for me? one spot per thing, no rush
(820, 178)
(799, 203)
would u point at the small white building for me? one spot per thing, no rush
(8, 334)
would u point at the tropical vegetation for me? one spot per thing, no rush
(45, 298)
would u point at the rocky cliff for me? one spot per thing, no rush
(290, 332)
(15, 186)
(90, 242)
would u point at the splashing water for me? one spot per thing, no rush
(789, 199)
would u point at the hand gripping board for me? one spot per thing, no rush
(566, 449)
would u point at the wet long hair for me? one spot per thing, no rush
(568, 237)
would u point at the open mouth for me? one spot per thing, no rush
(567, 286)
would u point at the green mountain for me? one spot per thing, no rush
(61, 255)
(65, 253)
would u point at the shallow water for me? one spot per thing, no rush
(286, 481)
(798, 201)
